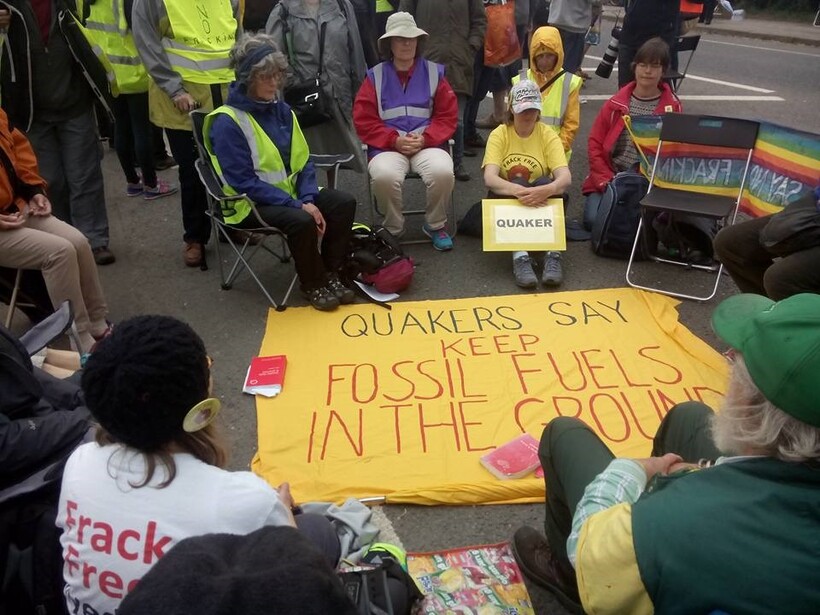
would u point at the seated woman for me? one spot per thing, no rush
(257, 147)
(525, 159)
(31, 238)
(610, 147)
(155, 474)
(405, 112)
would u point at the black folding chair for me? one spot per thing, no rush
(705, 131)
(684, 44)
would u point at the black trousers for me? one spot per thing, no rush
(192, 196)
(133, 135)
(338, 209)
(755, 270)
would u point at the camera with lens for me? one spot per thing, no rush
(604, 69)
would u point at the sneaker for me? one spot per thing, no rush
(553, 273)
(461, 173)
(441, 239)
(522, 270)
(469, 153)
(344, 294)
(162, 189)
(167, 162)
(536, 560)
(103, 256)
(192, 253)
(322, 299)
(109, 329)
(133, 189)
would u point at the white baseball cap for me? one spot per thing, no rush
(525, 95)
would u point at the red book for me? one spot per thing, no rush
(515, 459)
(266, 375)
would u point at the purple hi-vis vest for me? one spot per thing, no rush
(405, 109)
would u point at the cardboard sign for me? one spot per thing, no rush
(510, 226)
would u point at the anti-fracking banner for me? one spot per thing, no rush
(402, 403)
(785, 165)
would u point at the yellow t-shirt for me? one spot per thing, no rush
(530, 158)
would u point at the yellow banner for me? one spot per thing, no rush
(402, 404)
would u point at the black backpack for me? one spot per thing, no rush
(375, 257)
(616, 221)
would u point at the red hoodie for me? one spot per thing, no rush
(607, 128)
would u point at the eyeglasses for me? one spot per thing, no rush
(267, 76)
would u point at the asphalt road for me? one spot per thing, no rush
(149, 276)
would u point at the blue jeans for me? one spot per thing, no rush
(591, 205)
(68, 154)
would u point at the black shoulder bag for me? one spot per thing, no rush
(307, 98)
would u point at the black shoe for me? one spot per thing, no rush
(469, 153)
(475, 141)
(461, 173)
(167, 162)
(322, 299)
(533, 554)
(103, 256)
(344, 294)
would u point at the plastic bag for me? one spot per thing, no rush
(501, 45)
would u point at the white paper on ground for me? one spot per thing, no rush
(376, 295)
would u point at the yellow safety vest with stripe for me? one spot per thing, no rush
(267, 161)
(554, 103)
(383, 6)
(98, 51)
(107, 31)
(204, 32)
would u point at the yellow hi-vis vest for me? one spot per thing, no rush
(267, 161)
(99, 52)
(383, 6)
(107, 31)
(203, 34)
(554, 103)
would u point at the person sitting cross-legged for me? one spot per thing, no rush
(405, 112)
(258, 148)
(724, 517)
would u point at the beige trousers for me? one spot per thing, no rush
(64, 256)
(387, 172)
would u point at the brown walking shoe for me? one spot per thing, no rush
(193, 254)
(533, 554)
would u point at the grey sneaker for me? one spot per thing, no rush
(524, 275)
(553, 273)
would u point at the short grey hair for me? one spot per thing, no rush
(749, 424)
(275, 62)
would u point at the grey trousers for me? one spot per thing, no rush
(68, 155)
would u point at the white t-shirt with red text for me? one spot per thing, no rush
(113, 532)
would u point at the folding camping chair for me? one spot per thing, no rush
(218, 198)
(377, 214)
(24, 290)
(735, 135)
(684, 44)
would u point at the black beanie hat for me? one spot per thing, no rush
(272, 571)
(142, 380)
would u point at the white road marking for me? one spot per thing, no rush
(730, 84)
(797, 53)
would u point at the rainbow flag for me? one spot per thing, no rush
(785, 165)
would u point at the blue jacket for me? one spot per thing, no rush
(234, 154)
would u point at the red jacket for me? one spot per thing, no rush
(372, 130)
(607, 128)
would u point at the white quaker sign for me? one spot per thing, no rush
(510, 226)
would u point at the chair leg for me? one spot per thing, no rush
(18, 279)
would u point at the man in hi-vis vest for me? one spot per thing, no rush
(560, 90)
(184, 45)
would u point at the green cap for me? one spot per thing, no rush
(780, 344)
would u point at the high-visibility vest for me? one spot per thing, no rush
(555, 101)
(204, 33)
(267, 161)
(383, 6)
(108, 32)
